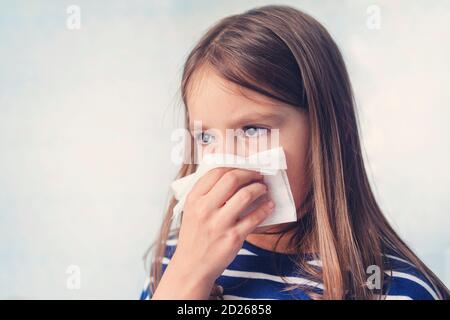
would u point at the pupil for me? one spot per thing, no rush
(206, 138)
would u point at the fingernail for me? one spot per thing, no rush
(270, 204)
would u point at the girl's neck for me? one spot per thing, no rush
(277, 242)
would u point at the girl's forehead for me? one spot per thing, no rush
(225, 110)
(211, 96)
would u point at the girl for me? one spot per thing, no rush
(277, 68)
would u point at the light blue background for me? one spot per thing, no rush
(86, 118)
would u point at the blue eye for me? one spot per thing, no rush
(205, 138)
(254, 131)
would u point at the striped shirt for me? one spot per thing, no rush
(257, 273)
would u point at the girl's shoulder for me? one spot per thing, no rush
(405, 281)
(170, 246)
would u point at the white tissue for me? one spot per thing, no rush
(271, 163)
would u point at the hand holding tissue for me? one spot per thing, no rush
(271, 163)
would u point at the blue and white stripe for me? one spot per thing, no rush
(260, 274)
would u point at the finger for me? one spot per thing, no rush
(231, 182)
(240, 201)
(208, 180)
(249, 223)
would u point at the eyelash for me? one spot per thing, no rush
(199, 136)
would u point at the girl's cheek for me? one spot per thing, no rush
(296, 178)
(258, 144)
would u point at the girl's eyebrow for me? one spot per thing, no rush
(272, 118)
(253, 118)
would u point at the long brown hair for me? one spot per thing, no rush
(288, 56)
